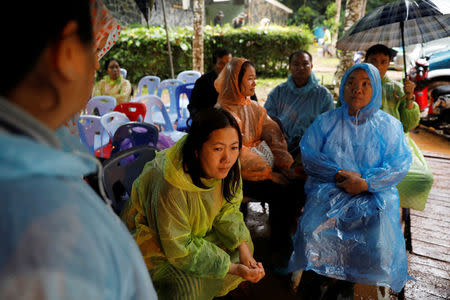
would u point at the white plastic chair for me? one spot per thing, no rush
(123, 72)
(113, 120)
(157, 114)
(100, 105)
(189, 76)
(151, 82)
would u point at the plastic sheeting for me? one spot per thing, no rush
(254, 123)
(59, 239)
(188, 235)
(416, 186)
(354, 237)
(298, 107)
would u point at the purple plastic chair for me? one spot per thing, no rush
(134, 134)
(151, 82)
(100, 105)
(92, 133)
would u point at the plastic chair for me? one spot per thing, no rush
(182, 103)
(113, 120)
(189, 76)
(134, 111)
(92, 133)
(170, 85)
(121, 170)
(123, 72)
(134, 134)
(151, 82)
(100, 105)
(157, 114)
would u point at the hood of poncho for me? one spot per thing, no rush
(375, 80)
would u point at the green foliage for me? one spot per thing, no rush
(330, 22)
(143, 51)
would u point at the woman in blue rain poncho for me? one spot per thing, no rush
(59, 239)
(354, 156)
(184, 213)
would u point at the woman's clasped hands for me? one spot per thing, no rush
(248, 268)
(351, 182)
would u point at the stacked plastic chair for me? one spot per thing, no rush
(133, 110)
(150, 82)
(113, 120)
(182, 102)
(92, 133)
(157, 114)
(100, 105)
(189, 76)
(170, 85)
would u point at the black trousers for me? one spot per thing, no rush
(285, 203)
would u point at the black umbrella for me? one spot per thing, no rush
(400, 23)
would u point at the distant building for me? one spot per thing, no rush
(255, 10)
(180, 12)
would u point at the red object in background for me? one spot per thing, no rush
(135, 111)
(106, 151)
(418, 74)
(422, 98)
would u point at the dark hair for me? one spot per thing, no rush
(203, 124)
(218, 53)
(242, 71)
(380, 48)
(106, 66)
(36, 25)
(298, 53)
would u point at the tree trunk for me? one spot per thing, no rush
(197, 41)
(336, 19)
(352, 14)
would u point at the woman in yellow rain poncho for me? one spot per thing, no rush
(184, 213)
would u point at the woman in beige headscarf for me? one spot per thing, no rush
(265, 160)
(235, 84)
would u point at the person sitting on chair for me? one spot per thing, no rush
(299, 100)
(204, 94)
(265, 160)
(398, 101)
(113, 84)
(184, 213)
(350, 229)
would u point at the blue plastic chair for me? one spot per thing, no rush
(134, 134)
(182, 103)
(100, 105)
(151, 82)
(123, 72)
(121, 170)
(92, 133)
(113, 120)
(157, 114)
(189, 76)
(170, 85)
